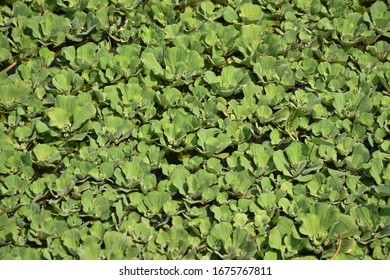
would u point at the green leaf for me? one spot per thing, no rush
(14, 94)
(226, 84)
(22, 9)
(116, 244)
(181, 63)
(211, 143)
(214, 165)
(376, 169)
(3, 220)
(87, 201)
(328, 214)
(222, 213)
(349, 24)
(296, 152)
(155, 200)
(71, 240)
(267, 200)
(5, 54)
(382, 190)
(14, 184)
(240, 182)
(281, 162)
(220, 234)
(251, 13)
(240, 219)
(89, 249)
(345, 227)
(151, 64)
(379, 13)
(311, 225)
(133, 171)
(271, 255)
(81, 115)
(243, 245)
(102, 207)
(230, 15)
(275, 239)
(46, 153)
(200, 181)
(97, 230)
(264, 113)
(59, 118)
(62, 82)
(23, 132)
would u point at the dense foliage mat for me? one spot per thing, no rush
(194, 129)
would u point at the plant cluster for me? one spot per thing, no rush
(186, 129)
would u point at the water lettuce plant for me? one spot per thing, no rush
(203, 130)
